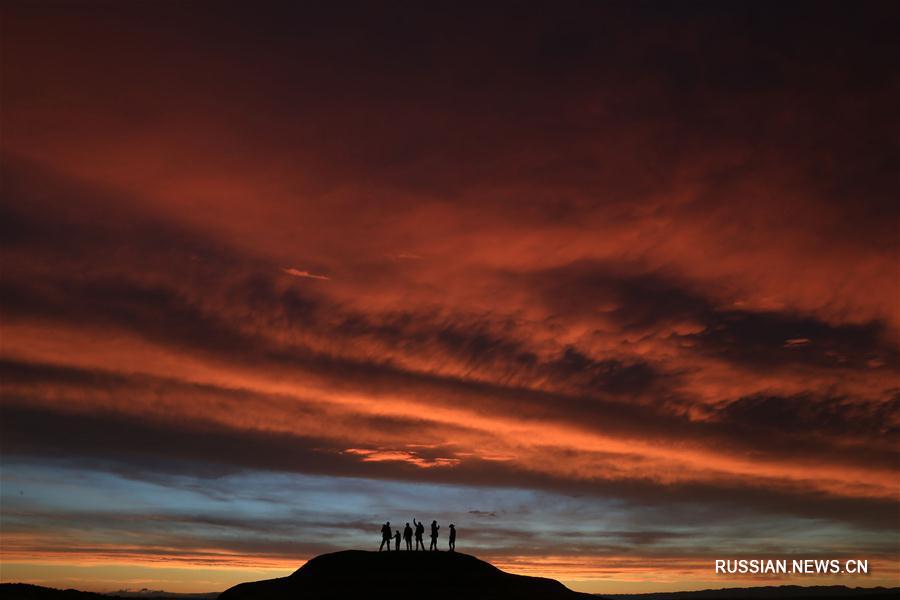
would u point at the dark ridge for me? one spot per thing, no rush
(26, 591)
(434, 575)
(757, 593)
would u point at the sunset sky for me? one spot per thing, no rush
(612, 286)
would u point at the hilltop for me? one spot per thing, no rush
(373, 575)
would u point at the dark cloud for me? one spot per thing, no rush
(840, 417)
(749, 338)
(609, 376)
(760, 339)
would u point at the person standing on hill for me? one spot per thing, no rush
(434, 535)
(420, 531)
(397, 540)
(385, 536)
(452, 538)
(407, 536)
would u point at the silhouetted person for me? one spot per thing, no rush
(420, 531)
(434, 535)
(407, 536)
(452, 537)
(397, 540)
(385, 536)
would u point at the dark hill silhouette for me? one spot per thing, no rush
(356, 574)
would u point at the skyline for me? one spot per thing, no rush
(611, 286)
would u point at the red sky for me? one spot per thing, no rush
(612, 285)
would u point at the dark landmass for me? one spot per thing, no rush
(160, 594)
(759, 593)
(433, 575)
(477, 580)
(25, 591)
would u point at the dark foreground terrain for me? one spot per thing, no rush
(833, 592)
(354, 575)
(25, 591)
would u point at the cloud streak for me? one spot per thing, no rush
(298, 273)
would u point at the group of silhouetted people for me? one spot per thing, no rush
(419, 531)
